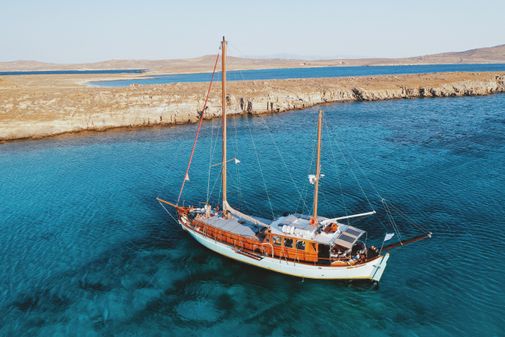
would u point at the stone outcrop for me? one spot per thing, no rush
(41, 106)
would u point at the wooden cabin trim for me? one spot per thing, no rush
(255, 246)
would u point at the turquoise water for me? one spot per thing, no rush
(268, 74)
(86, 251)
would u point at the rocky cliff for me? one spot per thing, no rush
(41, 106)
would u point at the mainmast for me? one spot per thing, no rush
(313, 219)
(223, 112)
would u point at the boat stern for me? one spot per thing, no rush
(379, 267)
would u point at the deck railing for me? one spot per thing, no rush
(287, 254)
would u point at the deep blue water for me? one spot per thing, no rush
(72, 72)
(86, 251)
(268, 74)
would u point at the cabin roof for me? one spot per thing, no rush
(348, 236)
(298, 225)
(295, 225)
(233, 225)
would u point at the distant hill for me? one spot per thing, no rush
(494, 54)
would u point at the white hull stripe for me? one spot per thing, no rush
(372, 270)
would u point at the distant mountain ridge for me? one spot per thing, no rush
(494, 54)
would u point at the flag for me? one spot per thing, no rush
(236, 161)
(312, 179)
(388, 236)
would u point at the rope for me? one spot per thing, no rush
(285, 165)
(388, 207)
(299, 191)
(406, 217)
(391, 219)
(261, 170)
(212, 150)
(333, 138)
(350, 168)
(215, 141)
(237, 167)
(210, 159)
(305, 191)
(166, 210)
(334, 158)
(257, 159)
(198, 129)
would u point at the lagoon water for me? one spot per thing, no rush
(319, 72)
(85, 250)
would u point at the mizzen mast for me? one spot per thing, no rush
(223, 112)
(313, 219)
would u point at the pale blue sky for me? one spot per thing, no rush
(93, 30)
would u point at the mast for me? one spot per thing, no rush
(223, 112)
(313, 219)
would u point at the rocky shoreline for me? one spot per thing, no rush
(42, 106)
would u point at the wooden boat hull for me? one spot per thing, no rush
(371, 270)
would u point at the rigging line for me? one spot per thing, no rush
(220, 194)
(279, 152)
(391, 219)
(237, 168)
(261, 170)
(393, 222)
(352, 171)
(366, 177)
(170, 168)
(335, 162)
(380, 196)
(238, 185)
(216, 141)
(257, 158)
(210, 158)
(215, 183)
(312, 158)
(350, 167)
(307, 185)
(198, 129)
(240, 73)
(168, 212)
(406, 217)
(284, 163)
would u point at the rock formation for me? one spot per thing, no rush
(41, 106)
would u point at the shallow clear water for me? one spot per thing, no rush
(85, 249)
(268, 74)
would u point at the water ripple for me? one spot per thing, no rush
(85, 249)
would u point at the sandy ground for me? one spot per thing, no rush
(46, 105)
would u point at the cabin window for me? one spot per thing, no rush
(288, 243)
(276, 240)
(300, 245)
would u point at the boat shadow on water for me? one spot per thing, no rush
(244, 273)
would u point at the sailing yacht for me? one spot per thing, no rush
(306, 246)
